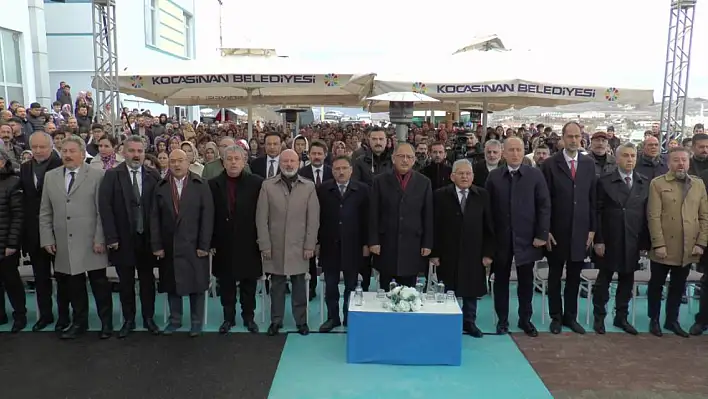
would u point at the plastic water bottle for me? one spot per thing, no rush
(420, 285)
(440, 292)
(358, 295)
(392, 285)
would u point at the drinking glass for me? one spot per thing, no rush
(381, 293)
(451, 298)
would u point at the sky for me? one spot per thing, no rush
(624, 41)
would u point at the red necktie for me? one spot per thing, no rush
(572, 169)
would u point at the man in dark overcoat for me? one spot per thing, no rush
(463, 240)
(521, 208)
(181, 227)
(342, 237)
(237, 258)
(124, 204)
(401, 220)
(572, 185)
(622, 232)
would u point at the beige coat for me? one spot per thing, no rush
(287, 224)
(675, 223)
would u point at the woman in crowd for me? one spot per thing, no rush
(191, 150)
(107, 157)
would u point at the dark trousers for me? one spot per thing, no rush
(10, 279)
(702, 315)
(247, 295)
(524, 290)
(677, 287)
(366, 273)
(196, 309)
(601, 293)
(332, 291)
(146, 281)
(385, 280)
(569, 299)
(313, 276)
(298, 298)
(42, 269)
(469, 310)
(74, 288)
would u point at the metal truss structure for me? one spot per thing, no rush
(105, 61)
(678, 60)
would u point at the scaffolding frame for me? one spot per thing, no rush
(105, 53)
(678, 61)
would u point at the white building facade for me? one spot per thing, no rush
(17, 73)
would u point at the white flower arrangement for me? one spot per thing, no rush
(404, 299)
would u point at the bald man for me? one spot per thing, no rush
(181, 226)
(401, 220)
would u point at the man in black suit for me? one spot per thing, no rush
(521, 208)
(237, 258)
(438, 171)
(32, 179)
(268, 165)
(318, 172)
(401, 220)
(124, 204)
(342, 237)
(622, 232)
(571, 181)
(492, 160)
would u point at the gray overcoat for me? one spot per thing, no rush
(287, 223)
(71, 220)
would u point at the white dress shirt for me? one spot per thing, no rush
(179, 183)
(275, 162)
(314, 173)
(568, 159)
(139, 177)
(624, 177)
(459, 194)
(67, 177)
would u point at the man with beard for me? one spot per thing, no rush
(540, 154)
(287, 220)
(438, 171)
(650, 163)
(492, 158)
(32, 173)
(317, 172)
(699, 160)
(421, 156)
(401, 220)
(604, 162)
(677, 215)
(375, 161)
(124, 203)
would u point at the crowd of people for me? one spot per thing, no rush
(194, 199)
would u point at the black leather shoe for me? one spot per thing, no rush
(251, 326)
(126, 329)
(697, 329)
(502, 327)
(273, 329)
(655, 328)
(149, 324)
(528, 328)
(226, 326)
(623, 324)
(41, 324)
(472, 330)
(556, 326)
(18, 325)
(598, 325)
(675, 328)
(574, 326)
(107, 331)
(303, 329)
(329, 325)
(61, 327)
(74, 331)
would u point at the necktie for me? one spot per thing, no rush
(271, 169)
(463, 201)
(572, 169)
(628, 180)
(342, 189)
(71, 181)
(139, 211)
(318, 179)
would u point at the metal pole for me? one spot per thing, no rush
(250, 113)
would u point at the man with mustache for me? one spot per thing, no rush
(677, 214)
(288, 219)
(124, 204)
(70, 228)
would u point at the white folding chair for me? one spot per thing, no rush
(323, 291)
(261, 292)
(541, 282)
(693, 280)
(27, 276)
(211, 289)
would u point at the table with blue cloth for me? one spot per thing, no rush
(430, 336)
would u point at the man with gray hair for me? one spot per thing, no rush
(216, 167)
(492, 159)
(236, 256)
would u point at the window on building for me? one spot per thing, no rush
(10, 67)
(188, 36)
(152, 23)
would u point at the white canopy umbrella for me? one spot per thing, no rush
(502, 79)
(244, 81)
(403, 96)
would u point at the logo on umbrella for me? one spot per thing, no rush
(136, 81)
(331, 80)
(612, 94)
(419, 87)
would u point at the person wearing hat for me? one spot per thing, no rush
(612, 140)
(599, 152)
